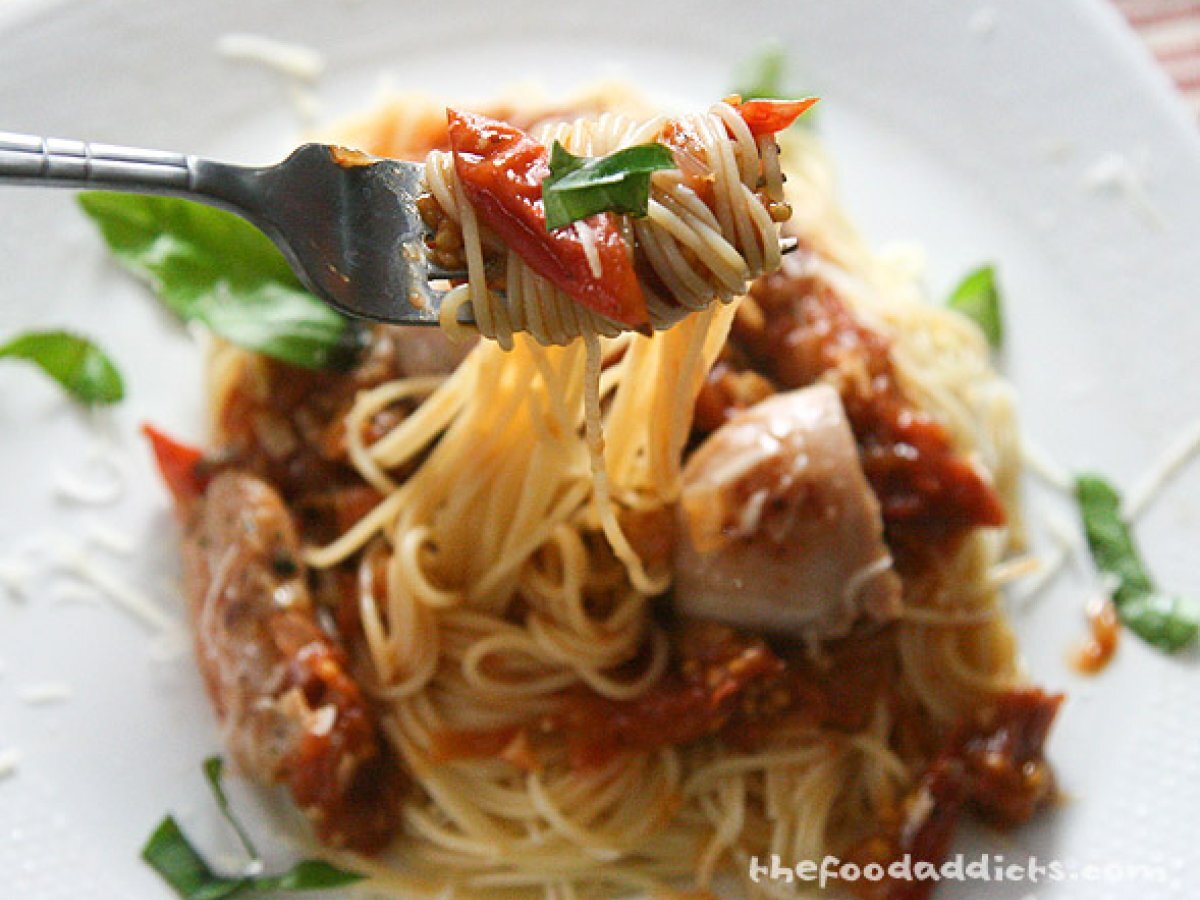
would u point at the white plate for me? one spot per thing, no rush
(970, 129)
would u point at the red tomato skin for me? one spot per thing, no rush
(501, 170)
(771, 116)
(179, 465)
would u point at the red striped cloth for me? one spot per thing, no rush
(1171, 29)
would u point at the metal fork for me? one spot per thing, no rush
(346, 222)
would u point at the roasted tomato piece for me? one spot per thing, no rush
(501, 170)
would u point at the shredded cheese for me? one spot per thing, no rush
(75, 561)
(15, 576)
(101, 482)
(170, 646)
(10, 758)
(106, 537)
(1147, 489)
(292, 60)
(982, 22)
(1044, 466)
(300, 65)
(1116, 174)
(45, 693)
(323, 720)
(1051, 565)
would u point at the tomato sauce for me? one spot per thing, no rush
(992, 764)
(1096, 651)
(721, 682)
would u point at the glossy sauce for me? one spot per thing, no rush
(1096, 650)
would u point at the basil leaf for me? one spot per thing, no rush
(210, 266)
(171, 854)
(978, 298)
(76, 363)
(1164, 621)
(214, 767)
(763, 75)
(308, 875)
(1169, 623)
(1109, 538)
(580, 186)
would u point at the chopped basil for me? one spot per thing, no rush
(171, 854)
(308, 875)
(978, 298)
(1167, 622)
(214, 768)
(210, 266)
(581, 186)
(763, 75)
(76, 363)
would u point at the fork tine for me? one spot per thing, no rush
(367, 253)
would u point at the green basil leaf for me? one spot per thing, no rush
(1110, 539)
(563, 162)
(210, 266)
(214, 767)
(1169, 623)
(171, 855)
(763, 75)
(978, 298)
(76, 363)
(309, 875)
(580, 186)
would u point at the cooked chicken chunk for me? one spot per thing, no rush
(427, 351)
(779, 529)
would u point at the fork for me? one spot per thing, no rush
(346, 222)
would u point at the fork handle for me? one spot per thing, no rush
(55, 162)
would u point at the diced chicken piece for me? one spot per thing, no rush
(779, 529)
(421, 350)
(290, 711)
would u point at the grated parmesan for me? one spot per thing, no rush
(1045, 467)
(300, 65)
(15, 576)
(75, 561)
(1050, 566)
(45, 693)
(170, 646)
(1159, 474)
(101, 482)
(10, 758)
(292, 60)
(982, 23)
(323, 720)
(106, 537)
(1066, 533)
(1117, 175)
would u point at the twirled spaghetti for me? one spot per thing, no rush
(711, 227)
